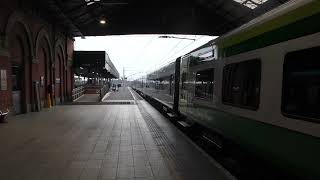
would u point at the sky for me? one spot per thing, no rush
(138, 55)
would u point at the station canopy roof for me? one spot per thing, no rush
(94, 64)
(117, 17)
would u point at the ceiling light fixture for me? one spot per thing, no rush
(103, 21)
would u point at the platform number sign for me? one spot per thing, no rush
(3, 80)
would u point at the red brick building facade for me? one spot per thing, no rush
(35, 59)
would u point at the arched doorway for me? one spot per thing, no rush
(17, 71)
(58, 77)
(45, 70)
(66, 85)
(19, 49)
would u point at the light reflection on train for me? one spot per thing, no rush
(159, 84)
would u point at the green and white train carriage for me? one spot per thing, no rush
(266, 88)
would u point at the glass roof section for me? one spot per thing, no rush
(252, 4)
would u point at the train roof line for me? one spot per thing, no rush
(273, 14)
(208, 44)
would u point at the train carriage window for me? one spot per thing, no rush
(241, 84)
(301, 84)
(204, 84)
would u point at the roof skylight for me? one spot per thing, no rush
(252, 4)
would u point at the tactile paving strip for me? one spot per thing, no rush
(119, 102)
(166, 148)
(184, 160)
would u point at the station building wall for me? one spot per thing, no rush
(33, 52)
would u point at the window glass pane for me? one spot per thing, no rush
(301, 83)
(204, 84)
(241, 84)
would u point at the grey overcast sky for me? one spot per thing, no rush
(140, 54)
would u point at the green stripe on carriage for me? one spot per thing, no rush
(294, 152)
(297, 23)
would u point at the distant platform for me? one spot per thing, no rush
(122, 94)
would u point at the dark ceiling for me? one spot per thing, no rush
(201, 17)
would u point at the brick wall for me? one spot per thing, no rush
(40, 41)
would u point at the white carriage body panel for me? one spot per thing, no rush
(272, 60)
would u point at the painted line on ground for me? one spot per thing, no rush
(105, 96)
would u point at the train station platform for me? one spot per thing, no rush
(122, 93)
(101, 142)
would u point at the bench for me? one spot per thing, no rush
(3, 116)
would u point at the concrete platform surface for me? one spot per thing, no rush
(100, 142)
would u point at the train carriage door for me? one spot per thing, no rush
(171, 84)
